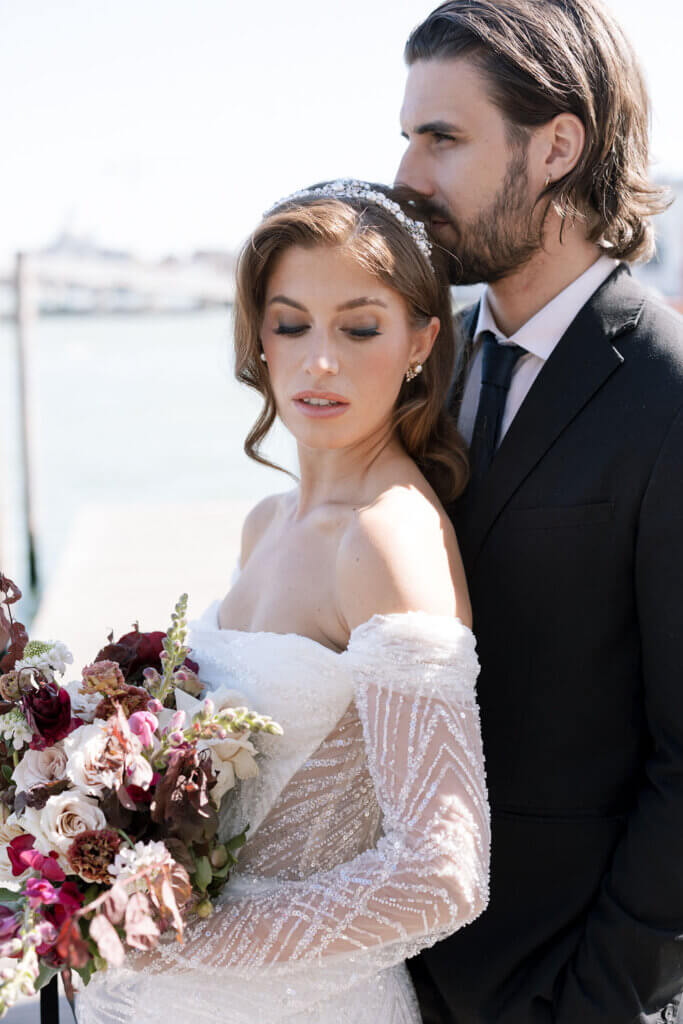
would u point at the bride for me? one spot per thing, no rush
(349, 623)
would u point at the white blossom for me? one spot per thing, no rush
(15, 728)
(54, 660)
(129, 860)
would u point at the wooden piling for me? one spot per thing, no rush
(25, 318)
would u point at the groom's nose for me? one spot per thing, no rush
(413, 172)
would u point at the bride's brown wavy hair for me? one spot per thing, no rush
(376, 240)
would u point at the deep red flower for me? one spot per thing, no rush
(143, 796)
(70, 944)
(48, 713)
(16, 850)
(69, 900)
(136, 651)
(48, 866)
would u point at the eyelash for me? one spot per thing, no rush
(359, 332)
(440, 137)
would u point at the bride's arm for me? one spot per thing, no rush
(414, 677)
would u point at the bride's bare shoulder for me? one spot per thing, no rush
(399, 554)
(259, 519)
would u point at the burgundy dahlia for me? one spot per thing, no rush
(48, 713)
(136, 651)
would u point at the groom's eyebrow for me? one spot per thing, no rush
(435, 127)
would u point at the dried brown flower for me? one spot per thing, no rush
(129, 698)
(91, 853)
(103, 677)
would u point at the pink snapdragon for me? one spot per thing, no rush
(40, 892)
(144, 724)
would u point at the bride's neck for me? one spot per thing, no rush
(342, 476)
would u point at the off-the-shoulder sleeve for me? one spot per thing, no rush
(414, 679)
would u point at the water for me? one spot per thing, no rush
(127, 409)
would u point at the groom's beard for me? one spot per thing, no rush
(500, 239)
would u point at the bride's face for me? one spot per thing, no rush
(338, 343)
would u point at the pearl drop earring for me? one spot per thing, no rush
(262, 357)
(413, 371)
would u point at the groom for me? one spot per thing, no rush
(526, 129)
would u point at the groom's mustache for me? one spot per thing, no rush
(425, 209)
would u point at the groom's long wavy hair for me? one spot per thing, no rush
(381, 246)
(546, 57)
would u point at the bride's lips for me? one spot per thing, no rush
(321, 411)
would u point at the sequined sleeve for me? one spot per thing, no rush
(414, 680)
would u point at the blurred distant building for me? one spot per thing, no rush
(664, 273)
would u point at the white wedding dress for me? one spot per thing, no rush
(368, 840)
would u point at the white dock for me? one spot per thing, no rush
(127, 563)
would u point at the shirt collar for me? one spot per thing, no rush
(542, 332)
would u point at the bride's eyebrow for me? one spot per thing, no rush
(365, 301)
(351, 304)
(288, 302)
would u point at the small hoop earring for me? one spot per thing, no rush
(413, 371)
(262, 357)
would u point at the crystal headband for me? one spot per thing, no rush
(348, 188)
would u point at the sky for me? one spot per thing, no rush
(169, 125)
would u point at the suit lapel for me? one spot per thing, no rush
(466, 323)
(582, 361)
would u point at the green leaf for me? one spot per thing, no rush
(222, 872)
(10, 898)
(45, 974)
(86, 972)
(7, 772)
(237, 841)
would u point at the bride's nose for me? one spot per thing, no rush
(321, 355)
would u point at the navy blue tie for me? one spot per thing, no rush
(498, 362)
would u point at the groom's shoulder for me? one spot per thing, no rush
(653, 339)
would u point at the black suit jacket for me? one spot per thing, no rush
(573, 547)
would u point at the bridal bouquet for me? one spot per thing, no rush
(109, 811)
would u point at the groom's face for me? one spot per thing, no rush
(460, 156)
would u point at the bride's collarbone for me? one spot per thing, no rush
(289, 589)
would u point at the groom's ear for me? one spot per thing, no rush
(423, 340)
(558, 146)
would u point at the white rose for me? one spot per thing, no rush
(62, 818)
(38, 767)
(93, 763)
(105, 755)
(83, 705)
(231, 758)
(9, 830)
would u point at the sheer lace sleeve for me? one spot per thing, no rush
(414, 680)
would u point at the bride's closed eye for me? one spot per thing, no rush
(294, 330)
